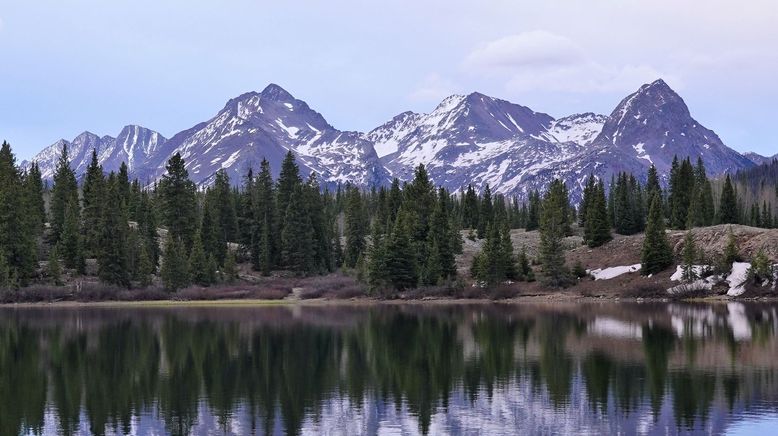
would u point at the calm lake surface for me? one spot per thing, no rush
(391, 369)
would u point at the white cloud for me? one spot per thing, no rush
(434, 87)
(536, 49)
(544, 61)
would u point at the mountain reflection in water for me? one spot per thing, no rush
(410, 369)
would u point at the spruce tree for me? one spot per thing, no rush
(112, 259)
(597, 229)
(652, 186)
(730, 254)
(36, 210)
(145, 268)
(175, 265)
(689, 255)
(728, 209)
(17, 229)
(71, 244)
(656, 254)
(54, 269)
(401, 265)
(93, 190)
(553, 226)
(297, 236)
(486, 212)
(533, 211)
(376, 269)
(355, 230)
(64, 192)
(230, 269)
(201, 271)
(178, 201)
(470, 213)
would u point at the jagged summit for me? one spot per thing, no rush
(466, 139)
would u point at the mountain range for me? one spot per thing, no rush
(467, 139)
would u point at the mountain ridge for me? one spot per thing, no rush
(466, 139)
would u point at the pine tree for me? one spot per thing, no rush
(289, 181)
(470, 209)
(597, 229)
(17, 229)
(36, 210)
(355, 230)
(730, 254)
(225, 212)
(211, 234)
(93, 190)
(400, 255)
(486, 212)
(728, 209)
(178, 201)
(199, 265)
(376, 269)
(589, 192)
(533, 211)
(70, 243)
(689, 255)
(64, 192)
(145, 268)
(175, 265)
(656, 254)
(652, 186)
(54, 269)
(5, 274)
(113, 259)
(553, 226)
(441, 262)
(230, 270)
(297, 236)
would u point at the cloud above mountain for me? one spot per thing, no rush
(543, 60)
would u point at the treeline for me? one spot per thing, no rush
(392, 238)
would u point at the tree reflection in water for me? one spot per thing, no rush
(442, 368)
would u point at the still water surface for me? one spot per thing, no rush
(391, 369)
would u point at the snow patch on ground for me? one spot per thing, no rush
(613, 272)
(737, 278)
(699, 271)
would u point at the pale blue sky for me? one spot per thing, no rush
(70, 66)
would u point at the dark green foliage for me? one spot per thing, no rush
(17, 228)
(597, 229)
(485, 213)
(144, 268)
(178, 202)
(761, 269)
(356, 227)
(54, 268)
(71, 241)
(554, 225)
(627, 205)
(728, 209)
(64, 192)
(524, 269)
(656, 254)
(230, 269)
(682, 183)
(730, 254)
(175, 265)
(113, 258)
(202, 266)
(36, 210)
(689, 256)
(93, 190)
(470, 213)
(297, 252)
(533, 211)
(401, 266)
(496, 262)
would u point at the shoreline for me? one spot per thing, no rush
(368, 301)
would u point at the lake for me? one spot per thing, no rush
(560, 368)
